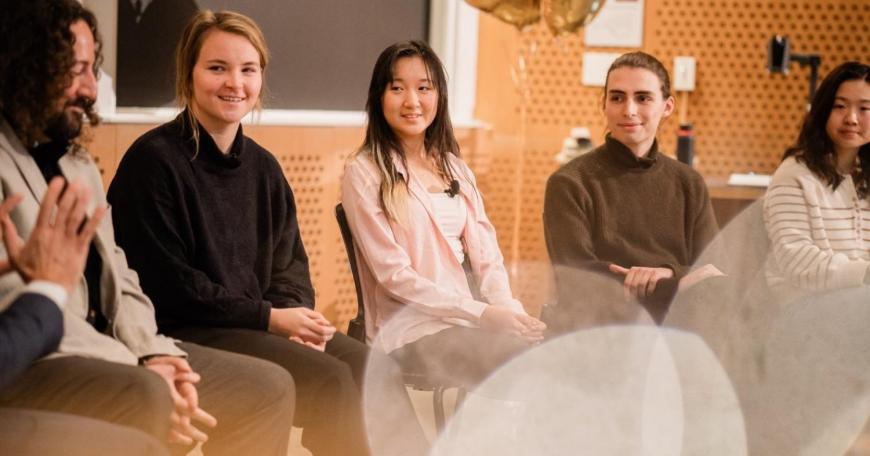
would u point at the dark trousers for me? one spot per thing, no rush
(328, 384)
(251, 399)
(35, 433)
(459, 356)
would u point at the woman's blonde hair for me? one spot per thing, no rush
(187, 53)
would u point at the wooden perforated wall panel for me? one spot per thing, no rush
(313, 159)
(743, 116)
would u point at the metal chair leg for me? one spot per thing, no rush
(460, 398)
(454, 419)
(438, 406)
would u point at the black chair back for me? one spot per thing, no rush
(357, 327)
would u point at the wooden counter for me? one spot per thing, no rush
(730, 200)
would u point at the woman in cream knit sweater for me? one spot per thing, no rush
(816, 210)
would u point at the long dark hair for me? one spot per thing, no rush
(814, 147)
(380, 141)
(36, 56)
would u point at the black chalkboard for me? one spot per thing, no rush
(322, 51)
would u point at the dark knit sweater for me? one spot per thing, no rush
(609, 206)
(214, 238)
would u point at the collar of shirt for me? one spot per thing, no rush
(208, 150)
(47, 155)
(623, 157)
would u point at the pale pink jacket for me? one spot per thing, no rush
(412, 284)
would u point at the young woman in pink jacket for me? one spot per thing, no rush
(435, 288)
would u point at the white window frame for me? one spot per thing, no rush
(453, 35)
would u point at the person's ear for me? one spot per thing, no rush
(670, 104)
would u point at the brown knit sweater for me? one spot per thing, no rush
(609, 206)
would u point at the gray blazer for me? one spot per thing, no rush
(132, 331)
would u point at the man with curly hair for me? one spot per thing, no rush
(111, 364)
(51, 262)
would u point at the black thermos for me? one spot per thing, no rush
(685, 144)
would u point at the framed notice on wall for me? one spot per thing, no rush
(618, 24)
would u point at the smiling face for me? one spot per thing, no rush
(410, 101)
(634, 106)
(227, 79)
(848, 124)
(82, 91)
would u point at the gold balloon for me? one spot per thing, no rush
(519, 13)
(566, 16)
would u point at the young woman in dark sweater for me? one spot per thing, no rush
(208, 220)
(626, 211)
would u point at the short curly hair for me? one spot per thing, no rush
(36, 57)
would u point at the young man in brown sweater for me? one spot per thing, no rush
(625, 213)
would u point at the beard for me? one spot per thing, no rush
(67, 124)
